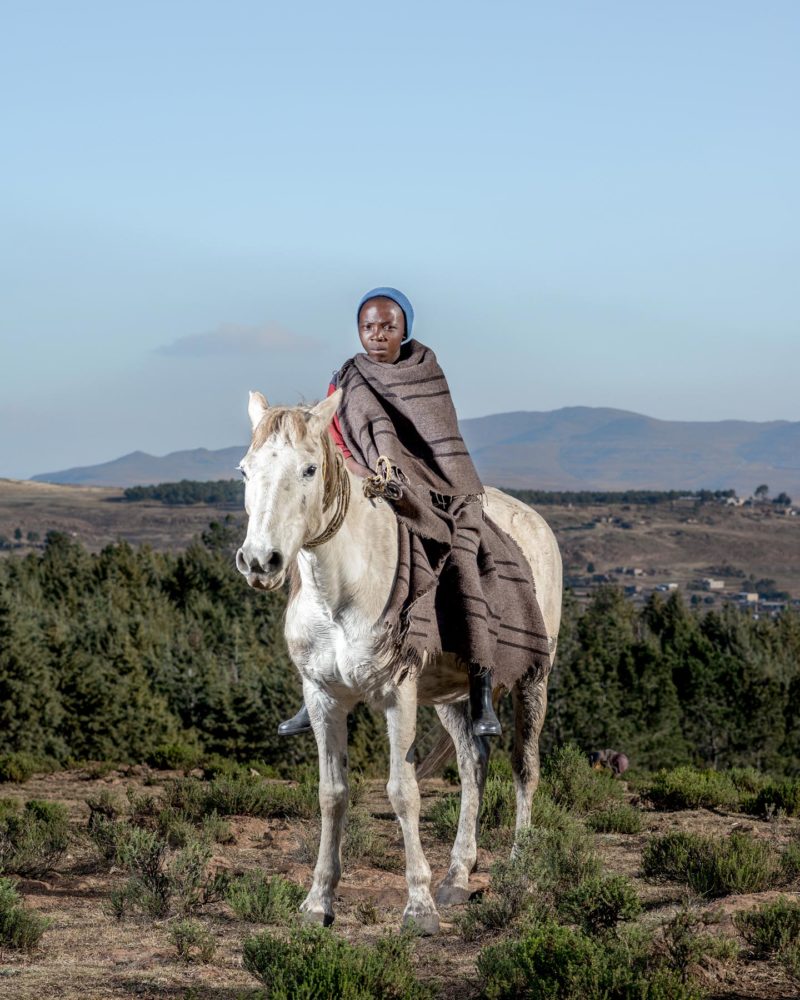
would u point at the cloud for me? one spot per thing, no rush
(231, 339)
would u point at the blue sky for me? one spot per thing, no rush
(588, 204)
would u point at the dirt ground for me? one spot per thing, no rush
(87, 954)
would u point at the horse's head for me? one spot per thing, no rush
(290, 471)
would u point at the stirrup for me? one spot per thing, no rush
(300, 723)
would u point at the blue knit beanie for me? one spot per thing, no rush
(395, 296)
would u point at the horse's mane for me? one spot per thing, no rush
(292, 424)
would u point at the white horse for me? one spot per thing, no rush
(306, 510)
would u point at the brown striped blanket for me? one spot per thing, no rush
(462, 584)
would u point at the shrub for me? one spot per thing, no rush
(175, 756)
(498, 807)
(791, 860)
(545, 865)
(188, 876)
(248, 796)
(264, 899)
(616, 818)
(34, 840)
(217, 830)
(312, 962)
(143, 853)
(192, 941)
(770, 928)
(157, 883)
(443, 817)
(367, 913)
(545, 814)
(19, 928)
(573, 784)
(553, 962)
(777, 796)
(600, 902)
(690, 788)
(713, 867)
(364, 844)
(686, 948)
(669, 856)
(19, 766)
(789, 958)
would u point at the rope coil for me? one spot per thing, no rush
(341, 497)
(385, 484)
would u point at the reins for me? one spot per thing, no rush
(340, 496)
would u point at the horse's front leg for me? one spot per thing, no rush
(329, 722)
(403, 791)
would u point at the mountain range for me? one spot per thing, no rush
(574, 448)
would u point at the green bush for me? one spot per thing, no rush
(443, 817)
(669, 856)
(363, 844)
(770, 928)
(549, 816)
(545, 866)
(616, 818)
(19, 766)
(570, 782)
(193, 942)
(686, 947)
(248, 796)
(552, 962)
(312, 962)
(791, 860)
(690, 788)
(19, 928)
(789, 958)
(33, 840)
(264, 899)
(498, 806)
(159, 883)
(713, 866)
(600, 902)
(778, 796)
(175, 756)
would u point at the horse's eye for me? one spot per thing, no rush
(309, 471)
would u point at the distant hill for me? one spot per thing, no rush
(575, 448)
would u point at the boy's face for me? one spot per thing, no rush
(381, 327)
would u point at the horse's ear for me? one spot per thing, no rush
(323, 412)
(256, 408)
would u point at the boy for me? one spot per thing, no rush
(449, 480)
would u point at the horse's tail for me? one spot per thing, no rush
(442, 752)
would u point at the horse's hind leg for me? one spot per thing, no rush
(530, 704)
(329, 721)
(472, 753)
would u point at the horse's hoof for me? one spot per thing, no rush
(316, 917)
(452, 895)
(426, 924)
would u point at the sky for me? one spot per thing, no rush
(588, 204)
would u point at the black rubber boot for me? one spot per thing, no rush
(299, 723)
(484, 720)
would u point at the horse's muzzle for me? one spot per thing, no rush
(265, 572)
